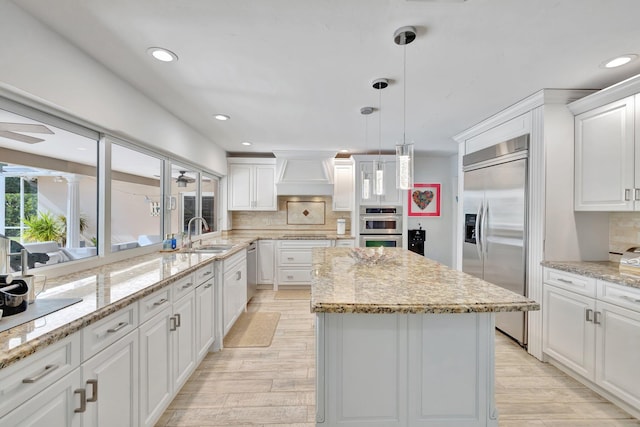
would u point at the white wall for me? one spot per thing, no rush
(439, 244)
(40, 65)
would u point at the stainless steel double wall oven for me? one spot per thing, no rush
(380, 226)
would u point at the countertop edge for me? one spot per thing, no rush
(422, 309)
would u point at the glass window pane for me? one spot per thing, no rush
(209, 200)
(136, 217)
(48, 180)
(183, 191)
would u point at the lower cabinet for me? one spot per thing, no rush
(234, 289)
(597, 337)
(294, 259)
(205, 318)
(110, 381)
(183, 328)
(266, 261)
(60, 404)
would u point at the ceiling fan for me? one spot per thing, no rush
(182, 180)
(10, 130)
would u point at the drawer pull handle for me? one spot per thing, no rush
(596, 318)
(94, 390)
(118, 327)
(589, 315)
(160, 302)
(47, 370)
(208, 285)
(172, 323)
(187, 285)
(630, 299)
(289, 277)
(290, 258)
(83, 397)
(177, 320)
(565, 281)
(206, 273)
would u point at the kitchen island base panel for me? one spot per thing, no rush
(405, 370)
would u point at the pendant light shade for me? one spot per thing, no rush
(365, 175)
(378, 164)
(404, 152)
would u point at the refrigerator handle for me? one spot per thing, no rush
(485, 224)
(479, 231)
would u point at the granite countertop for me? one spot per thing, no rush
(104, 290)
(404, 283)
(290, 235)
(603, 270)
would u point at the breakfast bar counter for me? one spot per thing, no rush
(403, 340)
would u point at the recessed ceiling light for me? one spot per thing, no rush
(162, 54)
(247, 143)
(344, 150)
(618, 61)
(222, 117)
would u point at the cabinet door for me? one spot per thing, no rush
(111, 382)
(234, 294)
(54, 406)
(183, 339)
(264, 188)
(240, 186)
(568, 329)
(343, 187)
(604, 175)
(266, 259)
(205, 318)
(155, 367)
(617, 350)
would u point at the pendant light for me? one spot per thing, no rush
(404, 152)
(365, 175)
(378, 165)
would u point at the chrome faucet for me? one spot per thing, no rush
(189, 241)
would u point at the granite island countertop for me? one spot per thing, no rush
(603, 270)
(404, 283)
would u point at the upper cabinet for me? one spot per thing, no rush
(252, 185)
(391, 196)
(607, 148)
(606, 170)
(343, 187)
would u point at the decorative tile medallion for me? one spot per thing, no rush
(305, 213)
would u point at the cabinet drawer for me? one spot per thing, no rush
(571, 282)
(182, 287)
(106, 331)
(291, 276)
(345, 243)
(24, 379)
(623, 296)
(154, 303)
(293, 257)
(301, 244)
(204, 273)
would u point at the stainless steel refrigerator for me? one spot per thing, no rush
(495, 223)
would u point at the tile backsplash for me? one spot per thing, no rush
(280, 220)
(624, 232)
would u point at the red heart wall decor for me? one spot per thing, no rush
(422, 198)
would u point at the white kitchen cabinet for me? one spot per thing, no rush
(234, 291)
(205, 318)
(266, 262)
(110, 380)
(598, 336)
(607, 174)
(391, 196)
(155, 366)
(294, 259)
(252, 186)
(183, 339)
(568, 329)
(60, 404)
(343, 185)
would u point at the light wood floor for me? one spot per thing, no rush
(274, 386)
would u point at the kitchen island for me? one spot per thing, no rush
(404, 341)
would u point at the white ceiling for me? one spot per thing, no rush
(293, 74)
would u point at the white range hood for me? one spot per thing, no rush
(304, 173)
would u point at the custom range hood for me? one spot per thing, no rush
(304, 173)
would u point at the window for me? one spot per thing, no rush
(48, 180)
(209, 200)
(136, 199)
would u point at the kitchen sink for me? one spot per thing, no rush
(210, 249)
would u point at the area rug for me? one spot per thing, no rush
(304, 294)
(253, 330)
